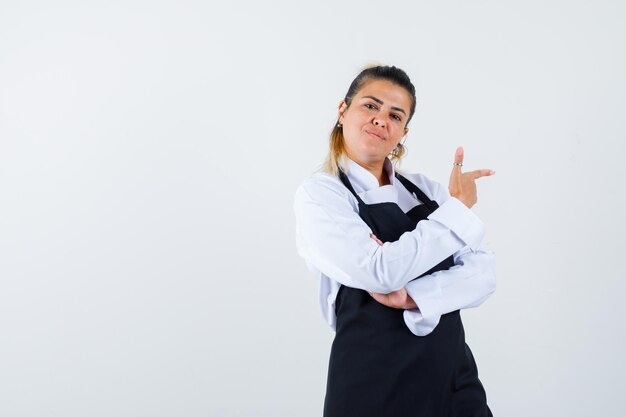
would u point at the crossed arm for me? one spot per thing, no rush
(332, 237)
(467, 284)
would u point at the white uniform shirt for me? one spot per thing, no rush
(336, 245)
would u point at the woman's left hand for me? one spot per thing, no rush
(396, 299)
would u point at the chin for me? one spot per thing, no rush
(372, 156)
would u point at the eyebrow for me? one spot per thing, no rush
(379, 101)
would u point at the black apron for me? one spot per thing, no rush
(377, 366)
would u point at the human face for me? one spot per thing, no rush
(375, 121)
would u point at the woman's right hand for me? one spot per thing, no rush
(396, 299)
(463, 185)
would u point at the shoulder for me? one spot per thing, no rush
(323, 188)
(433, 189)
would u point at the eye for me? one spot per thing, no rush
(370, 104)
(398, 118)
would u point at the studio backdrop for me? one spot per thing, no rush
(149, 156)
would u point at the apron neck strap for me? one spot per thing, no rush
(432, 205)
(344, 178)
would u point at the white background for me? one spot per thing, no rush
(149, 152)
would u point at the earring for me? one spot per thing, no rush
(339, 124)
(395, 152)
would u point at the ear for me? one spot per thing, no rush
(406, 131)
(341, 108)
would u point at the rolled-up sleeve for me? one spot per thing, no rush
(467, 284)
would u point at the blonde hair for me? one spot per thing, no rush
(337, 157)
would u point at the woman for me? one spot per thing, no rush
(368, 232)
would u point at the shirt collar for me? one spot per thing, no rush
(367, 180)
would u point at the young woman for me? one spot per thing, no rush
(397, 257)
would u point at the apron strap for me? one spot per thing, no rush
(344, 178)
(432, 205)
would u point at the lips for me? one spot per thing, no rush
(374, 134)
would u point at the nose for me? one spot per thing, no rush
(378, 121)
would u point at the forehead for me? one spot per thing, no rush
(391, 94)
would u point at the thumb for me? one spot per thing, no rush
(458, 157)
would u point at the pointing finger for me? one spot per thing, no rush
(482, 173)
